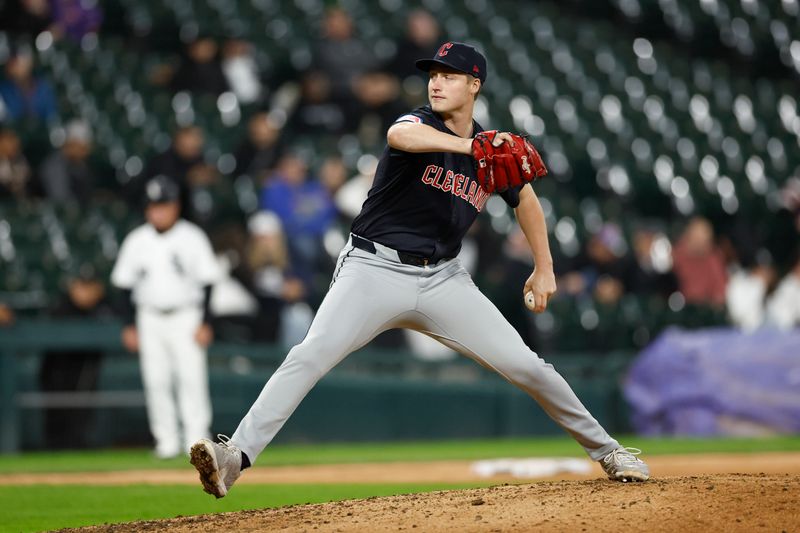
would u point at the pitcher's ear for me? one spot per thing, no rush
(476, 86)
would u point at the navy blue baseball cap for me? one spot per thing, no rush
(161, 189)
(458, 56)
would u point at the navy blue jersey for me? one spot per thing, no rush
(424, 203)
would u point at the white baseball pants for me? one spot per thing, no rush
(371, 293)
(175, 378)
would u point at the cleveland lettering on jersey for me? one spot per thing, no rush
(458, 184)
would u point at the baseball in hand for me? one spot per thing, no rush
(529, 300)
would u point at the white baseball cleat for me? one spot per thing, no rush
(219, 464)
(623, 465)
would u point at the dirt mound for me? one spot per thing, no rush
(729, 502)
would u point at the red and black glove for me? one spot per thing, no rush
(510, 164)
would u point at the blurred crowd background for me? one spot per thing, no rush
(671, 130)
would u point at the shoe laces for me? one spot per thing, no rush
(225, 443)
(230, 462)
(622, 455)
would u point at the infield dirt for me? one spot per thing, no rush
(763, 496)
(729, 502)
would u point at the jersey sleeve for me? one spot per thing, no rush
(417, 116)
(123, 275)
(207, 267)
(511, 196)
(409, 117)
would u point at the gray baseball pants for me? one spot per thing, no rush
(371, 293)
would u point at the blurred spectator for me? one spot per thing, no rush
(783, 307)
(6, 316)
(652, 272)
(613, 327)
(241, 71)
(606, 254)
(258, 153)
(184, 163)
(213, 201)
(340, 55)
(305, 209)
(29, 17)
(378, 95)
(15, 172)
(65, 175)
(74, 369)
(740, 242)
(200, 71)
(25, 94)
(351, 195)
(699, 265)
(790, 196)
(268, 274)
(332, 174)
(421, 40)
(76, 18)
(316, 113)
(608, 290)
(783, 229)
(233, 306)
(746, 295)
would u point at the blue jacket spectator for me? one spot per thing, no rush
(24, 94)
(306, 211)
(304, 206)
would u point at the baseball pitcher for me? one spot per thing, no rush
(399, 270)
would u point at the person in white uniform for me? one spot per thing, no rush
(167, 267)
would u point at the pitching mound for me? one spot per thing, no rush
(729, 502)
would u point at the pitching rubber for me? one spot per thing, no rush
(204, 460)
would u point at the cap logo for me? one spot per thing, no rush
(444, 48)
(154, 189)
(475, 69)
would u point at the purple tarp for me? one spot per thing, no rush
(716, 382)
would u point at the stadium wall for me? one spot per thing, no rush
(373, 395)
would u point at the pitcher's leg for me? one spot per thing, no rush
(358, 306)
(464, 319)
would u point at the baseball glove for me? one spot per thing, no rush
(508, 165)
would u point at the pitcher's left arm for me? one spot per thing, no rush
(542, 282)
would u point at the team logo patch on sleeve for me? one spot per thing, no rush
(409, 118)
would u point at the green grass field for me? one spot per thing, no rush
(42, 507)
